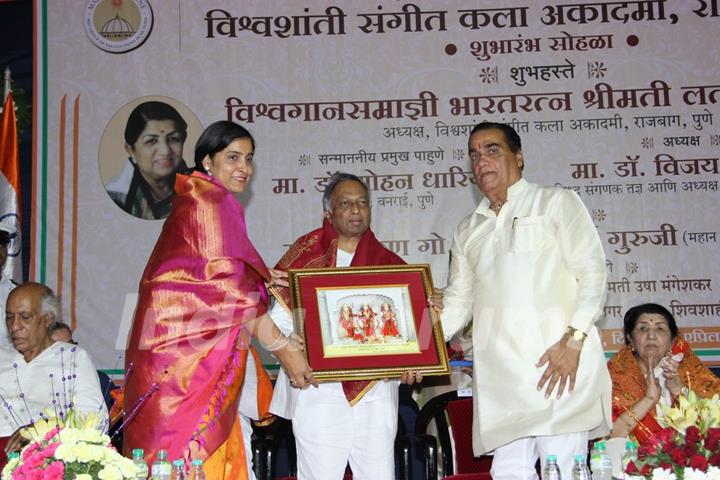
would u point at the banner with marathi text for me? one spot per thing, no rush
(614, 100)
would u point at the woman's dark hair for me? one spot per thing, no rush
(216, 138)
(147, 111)
(632, 315)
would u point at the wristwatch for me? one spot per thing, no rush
(578, 335)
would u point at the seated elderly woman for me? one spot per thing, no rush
(654, 363)
(35, 369)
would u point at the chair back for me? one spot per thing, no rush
(453, 418)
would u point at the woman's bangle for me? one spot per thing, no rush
(630, 423)
(279, 343)
(634, 416)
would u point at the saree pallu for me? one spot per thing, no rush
(228, 461)
(185, 361)
(629, 384)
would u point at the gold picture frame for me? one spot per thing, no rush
(364, 323)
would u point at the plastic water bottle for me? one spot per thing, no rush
(178, 469)
(551, 470)
(580, 470)
(161, 468)
(630, 455)
(600, 462)
(140, 463)
(196, 470)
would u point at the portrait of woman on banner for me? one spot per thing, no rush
(155, 136)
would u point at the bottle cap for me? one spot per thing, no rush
(552, 458)
(197, 462)
(179, 462)
(138, 452)
(629, 445)
(12, 455)
(162, 454)
(580, 457)
(600, 445)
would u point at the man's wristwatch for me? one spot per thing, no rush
(578, 335)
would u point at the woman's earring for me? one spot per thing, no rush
(207, 170)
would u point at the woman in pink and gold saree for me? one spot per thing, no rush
(201, 299)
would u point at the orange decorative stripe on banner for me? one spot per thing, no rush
(61, 198)
(74, 227)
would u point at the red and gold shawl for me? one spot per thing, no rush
(188, 347)
(629, 384)
(318, 249)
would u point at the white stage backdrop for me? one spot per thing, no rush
(615, 100)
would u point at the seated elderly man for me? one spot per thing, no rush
(35, 369)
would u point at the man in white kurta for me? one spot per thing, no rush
(329, 430)
(529, 270)
(36, 371)
(34, 380)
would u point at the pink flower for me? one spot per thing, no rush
(54, 471)
(34, 475)
(27, 474)
(30, 449)
(50, 449)
(35, 460)
(52, 433)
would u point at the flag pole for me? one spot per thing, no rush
(6, 84)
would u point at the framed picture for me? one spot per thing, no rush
(367, 322)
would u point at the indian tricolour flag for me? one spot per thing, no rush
(10, 186)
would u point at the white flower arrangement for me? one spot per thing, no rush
(73, 448)
(688, 473)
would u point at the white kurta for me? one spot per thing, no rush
(524, 276)
(285, 397)
(34, 380)
(316, 412)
